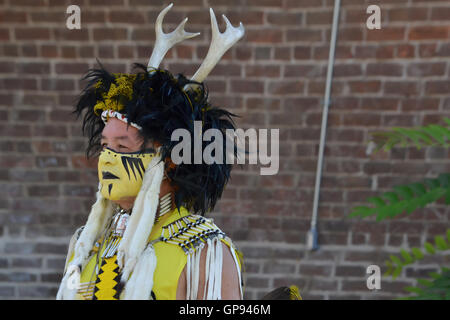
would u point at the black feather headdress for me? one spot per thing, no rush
(158, 102)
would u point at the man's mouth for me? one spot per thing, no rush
(108, 175)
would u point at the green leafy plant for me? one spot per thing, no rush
(406, 199)
(425, 136)
(438, 288)
(395, 264)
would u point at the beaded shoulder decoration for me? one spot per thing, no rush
(191, 233)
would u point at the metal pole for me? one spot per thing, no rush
(312, 234)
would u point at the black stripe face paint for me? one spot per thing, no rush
(115, 167)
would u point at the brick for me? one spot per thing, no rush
(103, 34)
(126, 16)
(404, 88)
(426, 69)
(12, 16)
(370, 86)
(264, 3)
(50, 162)
(19, 84)
(384, 69)
(406, 51)
(303, 4)
(108, 3)
(262, 35)
(440, 13)
(398, 120)
(303, 71)
(347, 34)
(302, 52)
(43, 191)
(71, 68)
(437, 87)
(32, 33)
(29, 3)
(266, 71)
(57, 84)
(380, 103)
(347, 70)
(361, 119)
(319, 17)
(386, 34)
(26, 262)
(37, 291)
(284, 18)
(33, 68)
(315, 270)
(408, 14)
(301, 35)
(428, 32)
(246, 86)
(278, 268)
(7, 291)
(9, 130)
(285, 87)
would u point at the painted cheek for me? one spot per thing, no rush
(134, 167)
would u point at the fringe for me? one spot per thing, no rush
(213, 271)
(140, 284)
(233, 253)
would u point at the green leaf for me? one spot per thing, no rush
(406, 257)
(429, 247)
(397, 272)
(447, 196)
(448, 234)
(444, 180)
(424, 282)
(435, 132)
(377, 201)
(434, 275)
(409, 134)
(391, 196)
(404, 191)
(418, 188)
(417, 253)
(362, 211)
(413, 290)
(432, 183)
(396, 260)
(440, 243)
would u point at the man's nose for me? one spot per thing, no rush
(108, 158)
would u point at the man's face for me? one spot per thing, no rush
(121, 165)
(121, 138)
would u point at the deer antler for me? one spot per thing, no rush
(220, 43)
(165, 41)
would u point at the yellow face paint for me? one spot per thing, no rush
(121, 174)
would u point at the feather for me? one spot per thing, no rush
(284, 293)
(140, 284)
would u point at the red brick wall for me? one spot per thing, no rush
(274, 78)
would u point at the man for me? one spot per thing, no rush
(146, 237)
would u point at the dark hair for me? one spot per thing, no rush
(159, 104)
